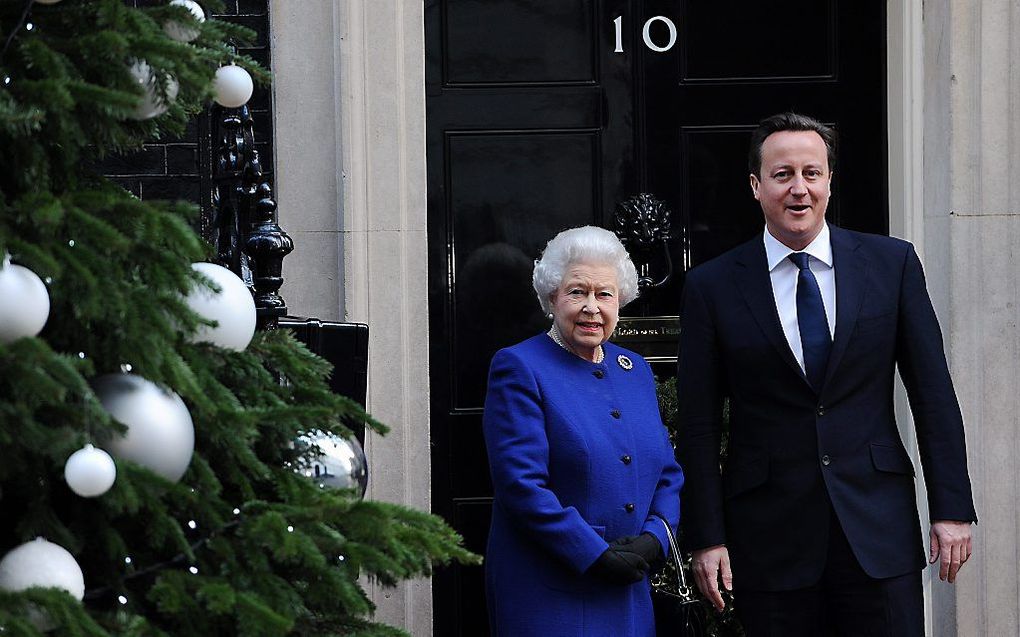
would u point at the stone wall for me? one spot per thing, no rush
(972, 162)
(350, 124)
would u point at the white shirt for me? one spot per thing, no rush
(783, 273)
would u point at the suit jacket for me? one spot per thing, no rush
(579, 457)
(796, 455)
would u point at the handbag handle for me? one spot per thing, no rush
(683, 589)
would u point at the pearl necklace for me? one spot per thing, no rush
(554, 334)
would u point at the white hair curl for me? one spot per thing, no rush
(587, 244)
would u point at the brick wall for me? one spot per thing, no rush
(182, 168)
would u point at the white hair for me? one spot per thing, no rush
(588, 244)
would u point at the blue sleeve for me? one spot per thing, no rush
(514, 428)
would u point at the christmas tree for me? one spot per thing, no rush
(204, 522)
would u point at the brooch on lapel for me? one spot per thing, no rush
(625, 362)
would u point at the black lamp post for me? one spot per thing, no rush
(245, 228)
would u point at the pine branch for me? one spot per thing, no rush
(17, 27)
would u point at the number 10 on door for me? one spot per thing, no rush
(646, 34)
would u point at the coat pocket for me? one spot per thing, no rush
(558, 577)
(745, 476)
(891, 459)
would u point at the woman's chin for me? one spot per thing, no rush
(587, 342)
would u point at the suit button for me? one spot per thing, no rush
(615, 413)
(625, 460)
(599, 373)
(826, 460)
(629, 507)
(821, 410)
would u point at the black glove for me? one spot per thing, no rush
(619, 566)
(646, 545)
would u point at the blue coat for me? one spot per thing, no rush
(579, 457)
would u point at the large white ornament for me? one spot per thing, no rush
(152, 103)
(47, 1)
(340, 463)
(44, 564)
(183, 32)
(160, 434)
(24, 302)
(233, 86)
(90, 472)
(233, 308)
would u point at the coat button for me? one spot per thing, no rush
(821, 410)
(629, 507)
(625, 460)
(826, 460)
(615, 413)
(599, 373)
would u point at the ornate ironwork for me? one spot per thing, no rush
(643, 223)
(247, 235)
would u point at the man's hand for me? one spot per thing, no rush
(951, 541)
(709, 565)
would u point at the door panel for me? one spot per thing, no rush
(770, 42)
(519, 41)
(536, 123)
(498, 227)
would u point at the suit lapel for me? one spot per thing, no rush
(851, 269)
(755, 285)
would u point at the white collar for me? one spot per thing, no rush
(820, 248)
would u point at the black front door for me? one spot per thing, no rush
(545, 114)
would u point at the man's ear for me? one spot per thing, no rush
(754, 185)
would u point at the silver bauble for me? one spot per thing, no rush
(184, 32)
(153, 103)
(339, 464)
(44, 564)
(90, 472)
(24, 302)
(233, 86)
(233, 309)
(160, 435)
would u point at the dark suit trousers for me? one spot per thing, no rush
(845, 603)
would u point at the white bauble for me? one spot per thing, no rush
(160, 434)
(44, 564)
(90, 472)
(152, 103)
(233, 309)
(233, 86)
(180, 31)
(339, 464)
(24, 302)
(47, 1)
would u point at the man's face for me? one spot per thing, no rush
(793, 188)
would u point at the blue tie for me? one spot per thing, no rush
(814, 328)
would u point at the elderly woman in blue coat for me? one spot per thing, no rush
(582, 468)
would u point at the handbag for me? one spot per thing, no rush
(678, 611)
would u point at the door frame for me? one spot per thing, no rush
(361, 107)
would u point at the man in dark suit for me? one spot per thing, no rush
(813, 520)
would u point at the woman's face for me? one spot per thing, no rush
(586, 306)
